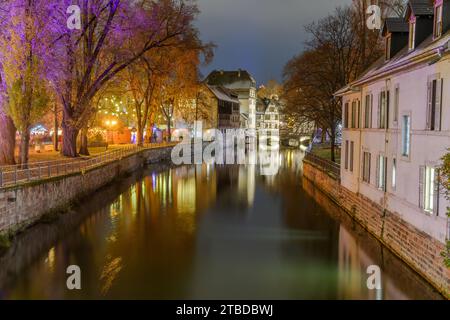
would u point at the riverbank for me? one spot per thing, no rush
(24, 204)
(417, 249)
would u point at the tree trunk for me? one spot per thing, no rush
(84, 142)
(7, 140)
(140, 135)
(69, 147)
(55, 134)
(24, 148)
(169, 131)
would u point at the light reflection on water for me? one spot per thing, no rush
(206, 232)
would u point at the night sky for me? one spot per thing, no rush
(258, 35)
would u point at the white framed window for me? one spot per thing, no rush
(368, 111)
(438, 21)
(406, 135)
(352, 155)
(366, 167)
(382, 109)
(429, 189)
(353, 114)
(381, 172)
(346, 155)
(394, 173)
(396, 103)
(346, 115)
(434, 103)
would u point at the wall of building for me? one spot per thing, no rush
(427, 147)
(416, 248)
(23, 205)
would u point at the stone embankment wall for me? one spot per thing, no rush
(23, 205)
(419, 250)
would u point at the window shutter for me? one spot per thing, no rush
(370, 160)
(436, 194)
(379, 110)
(388, 100)
(429, 104)
(378, 173)
(421, 186)
(438, 108)
(371, 110)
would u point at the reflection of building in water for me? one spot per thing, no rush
(246, 184)
(353, 264)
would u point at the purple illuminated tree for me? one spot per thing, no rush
(114, 35)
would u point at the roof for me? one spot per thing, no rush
(238, 79)
(421, 7)
(426, 52)
(395, 25)
(223, 93)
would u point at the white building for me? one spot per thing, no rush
(268, 119)
(396, 120)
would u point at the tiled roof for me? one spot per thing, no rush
(225, 78)
(223, 94)
(395, 25)
(421, 7)
(427, 50)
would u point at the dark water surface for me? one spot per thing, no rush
(205, 232)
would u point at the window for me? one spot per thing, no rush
(388, 48)
(382, 110)
(406, 135)
(358, 125)
(346, 155)
(366, 167)
(352, 152)
(353, 114)
(429, 189)
(412, 34)
(394, 174)
(346, 115)
(396, 103)
(438, 21)
(368, 111)
(381, 172)
(434, 106)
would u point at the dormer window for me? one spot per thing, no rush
(438, 21)
(388, 47)
(412, 34)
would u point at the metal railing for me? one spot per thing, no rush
(35, 171)
(325, 164)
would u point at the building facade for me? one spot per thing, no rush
(244, 85)
(396, 120)
(268, 119)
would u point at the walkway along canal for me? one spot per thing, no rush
(206, 232)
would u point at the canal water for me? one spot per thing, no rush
(206, 232)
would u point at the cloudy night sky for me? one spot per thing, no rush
(258, 35)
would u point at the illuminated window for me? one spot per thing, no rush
(406, 136)
(429, 189)
(381, 172)
(412, 35)
(394, 174)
